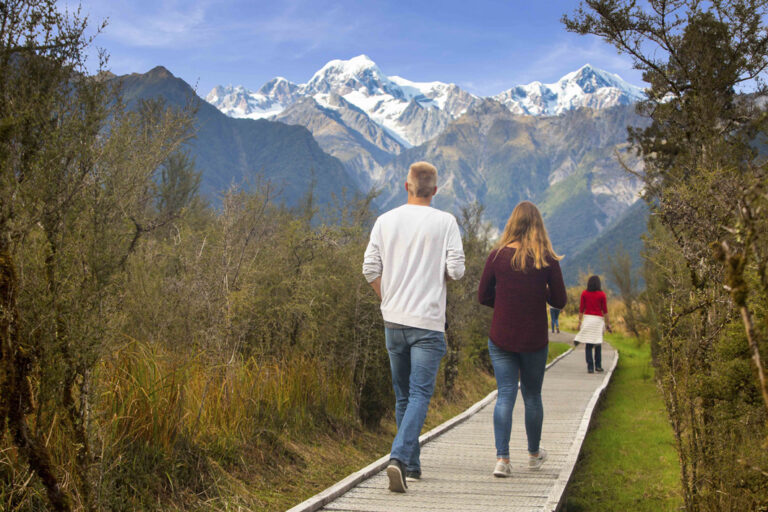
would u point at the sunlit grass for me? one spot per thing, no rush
(628, 460)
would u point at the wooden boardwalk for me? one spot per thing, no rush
(457, 458)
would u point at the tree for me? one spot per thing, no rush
(467, 319)
(703, 179)
(77, 182)
(620, 272)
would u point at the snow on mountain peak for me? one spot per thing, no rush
(350, 67)
(412, 111)
(586, 87)
(345, 76)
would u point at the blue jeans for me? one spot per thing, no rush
(529, 368)
(555, 314)
(414, 358)
(598, 362)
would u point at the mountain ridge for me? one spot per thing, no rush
(393, 101)
(240, 151)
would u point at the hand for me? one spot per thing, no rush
(608, 328)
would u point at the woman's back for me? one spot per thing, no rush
(519, 299)
(593, 303)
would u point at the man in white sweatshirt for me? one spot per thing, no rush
(413, 250)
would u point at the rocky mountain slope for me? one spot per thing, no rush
(566, 164)
(238, 151)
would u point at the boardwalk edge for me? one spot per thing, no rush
(555, 499)
(323, 498)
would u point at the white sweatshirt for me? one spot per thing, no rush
(413, 248)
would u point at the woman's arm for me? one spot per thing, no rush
(556, 287)
(486, 291)
(604, 304)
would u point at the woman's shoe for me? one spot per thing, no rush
(502, 469)
(537, 461)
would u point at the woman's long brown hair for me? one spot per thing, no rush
(526, 227)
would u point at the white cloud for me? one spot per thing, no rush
(161, 24)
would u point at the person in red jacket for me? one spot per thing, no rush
(593, 317)
(521, 276)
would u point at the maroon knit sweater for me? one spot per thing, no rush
(519, 300)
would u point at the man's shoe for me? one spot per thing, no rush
(412, 475)
(396, 474)
(599, 370)
(536, 462)
(590, 370)
(502, 469)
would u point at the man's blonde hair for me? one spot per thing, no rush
(422, 179)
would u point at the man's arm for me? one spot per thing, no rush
(376, 285)
(454, 261)
(372, 265)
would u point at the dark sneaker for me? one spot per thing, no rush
(412, 475)
(599, 370)
(590, 370)
(396, 474)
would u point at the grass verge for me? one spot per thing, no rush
(628, 461)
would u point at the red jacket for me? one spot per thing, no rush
(593, 303)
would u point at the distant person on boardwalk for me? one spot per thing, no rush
(593, 318)
(554, 314)
(521, 276)
(413, 250)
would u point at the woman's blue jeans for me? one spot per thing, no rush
(528, 368)
(414, 358)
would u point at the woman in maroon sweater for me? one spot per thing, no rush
(593, 317)
(521, 276)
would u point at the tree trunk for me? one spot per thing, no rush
(15, 387)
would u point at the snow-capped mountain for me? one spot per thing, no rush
(411, 112)
(414, 112)
(587, 87)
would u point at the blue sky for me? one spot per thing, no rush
(483, 46)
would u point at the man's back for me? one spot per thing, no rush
(412, 248)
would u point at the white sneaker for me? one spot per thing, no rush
(502, 469)
(536, 462)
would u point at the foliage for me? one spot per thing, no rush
(76, 194)
(623, 278)
(468, 321)
(705, 254)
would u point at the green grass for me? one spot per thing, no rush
(628, 460)
(555, 349)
